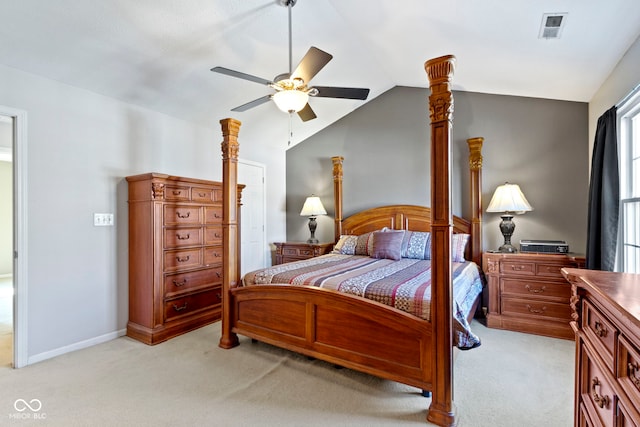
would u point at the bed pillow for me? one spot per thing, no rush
(346, 245)
(417, 245)
(387, 244)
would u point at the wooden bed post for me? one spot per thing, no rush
(337, 195)
(475, 169)
(439, 71)
(230, 239)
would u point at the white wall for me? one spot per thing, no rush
(81, 145)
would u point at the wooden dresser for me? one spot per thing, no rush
(606, 321)
(295, 251)
(175, 255)
(527, 293)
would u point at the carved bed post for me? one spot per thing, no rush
(230, 239)
(439, 71)
(475, 169)
(337, 195)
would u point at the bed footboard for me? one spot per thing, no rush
(342, 329)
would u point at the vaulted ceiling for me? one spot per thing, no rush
(158, 53)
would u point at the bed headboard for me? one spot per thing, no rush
(412, 217)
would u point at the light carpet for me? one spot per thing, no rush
(513, 379)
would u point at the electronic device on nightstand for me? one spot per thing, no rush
(544, 246)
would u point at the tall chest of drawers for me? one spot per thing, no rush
(527, 293)
(606, 322)
(175, 255)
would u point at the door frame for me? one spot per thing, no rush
(19, 162)
(266, 252)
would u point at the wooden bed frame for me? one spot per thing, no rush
(328, 325)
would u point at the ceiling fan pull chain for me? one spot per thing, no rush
(290, 128)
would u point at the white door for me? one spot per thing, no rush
(253, 247)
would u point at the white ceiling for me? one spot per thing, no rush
(158, 53)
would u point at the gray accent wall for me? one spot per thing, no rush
(540, 144)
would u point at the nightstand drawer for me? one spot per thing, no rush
(518, 267)
(531, 288)
(295, 251)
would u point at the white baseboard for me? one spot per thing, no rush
(77, 346)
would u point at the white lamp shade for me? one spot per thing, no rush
(509, 198)
(291, 100)
(312, 207)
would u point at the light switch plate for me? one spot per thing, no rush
(103, 219)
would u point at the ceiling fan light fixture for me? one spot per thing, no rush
(290, 100)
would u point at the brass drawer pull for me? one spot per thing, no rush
(202, 194)
(632, 372)
(218, 274)
(217, 236)
(601, 401)
(176, 283)
(536, 311)
(176, 308)
(183, 237)
(601, 331)
(185, 259)
(517, 267)
(215, 215)
(183, 216)
(535, 291)
(177, 192)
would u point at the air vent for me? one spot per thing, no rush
(552, 25)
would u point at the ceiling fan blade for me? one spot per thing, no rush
(254, 103)
(307, 113)
(240, 75)
(342, 92)
(314, 60)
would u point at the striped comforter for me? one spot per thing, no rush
(404, 284)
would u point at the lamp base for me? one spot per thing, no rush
(508, 248)
(313, 241)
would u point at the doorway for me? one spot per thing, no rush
(252, 220)
(6, 241)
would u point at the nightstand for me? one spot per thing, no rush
(295, 251)
(527, 292)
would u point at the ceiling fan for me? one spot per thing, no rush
(292, 90)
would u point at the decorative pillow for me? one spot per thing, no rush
(387, 244)
(364, 244)
(346, 245)
(416, 245)
(458, 246)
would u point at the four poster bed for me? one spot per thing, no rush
(350, 330)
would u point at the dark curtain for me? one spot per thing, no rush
(604, 195)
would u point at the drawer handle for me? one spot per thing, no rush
(601, 331)
(601, 401)
(183, 237)
(219, 295)
(176, 308)
(218, 274)
(536, 311)
(176, 192)
(183, 216)
(185, 259)
(215, 215)
(217, 236)
(176, 283)
(633, 373)
(535, 291)
(202, 194)
(517, 267)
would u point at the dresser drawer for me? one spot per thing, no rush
(600, 332)
(179, 237)
(213, 214)
(530, 288)
(629, 368)
(536, 308)
(213, 235)
(202, 195)
(520, 268)
(189, 304)
(596, 391)
(182, 259)
(182, 215)
(549, 270)
(213, 255)
(177, 192)
(175, 284)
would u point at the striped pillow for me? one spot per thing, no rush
(417, 245)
